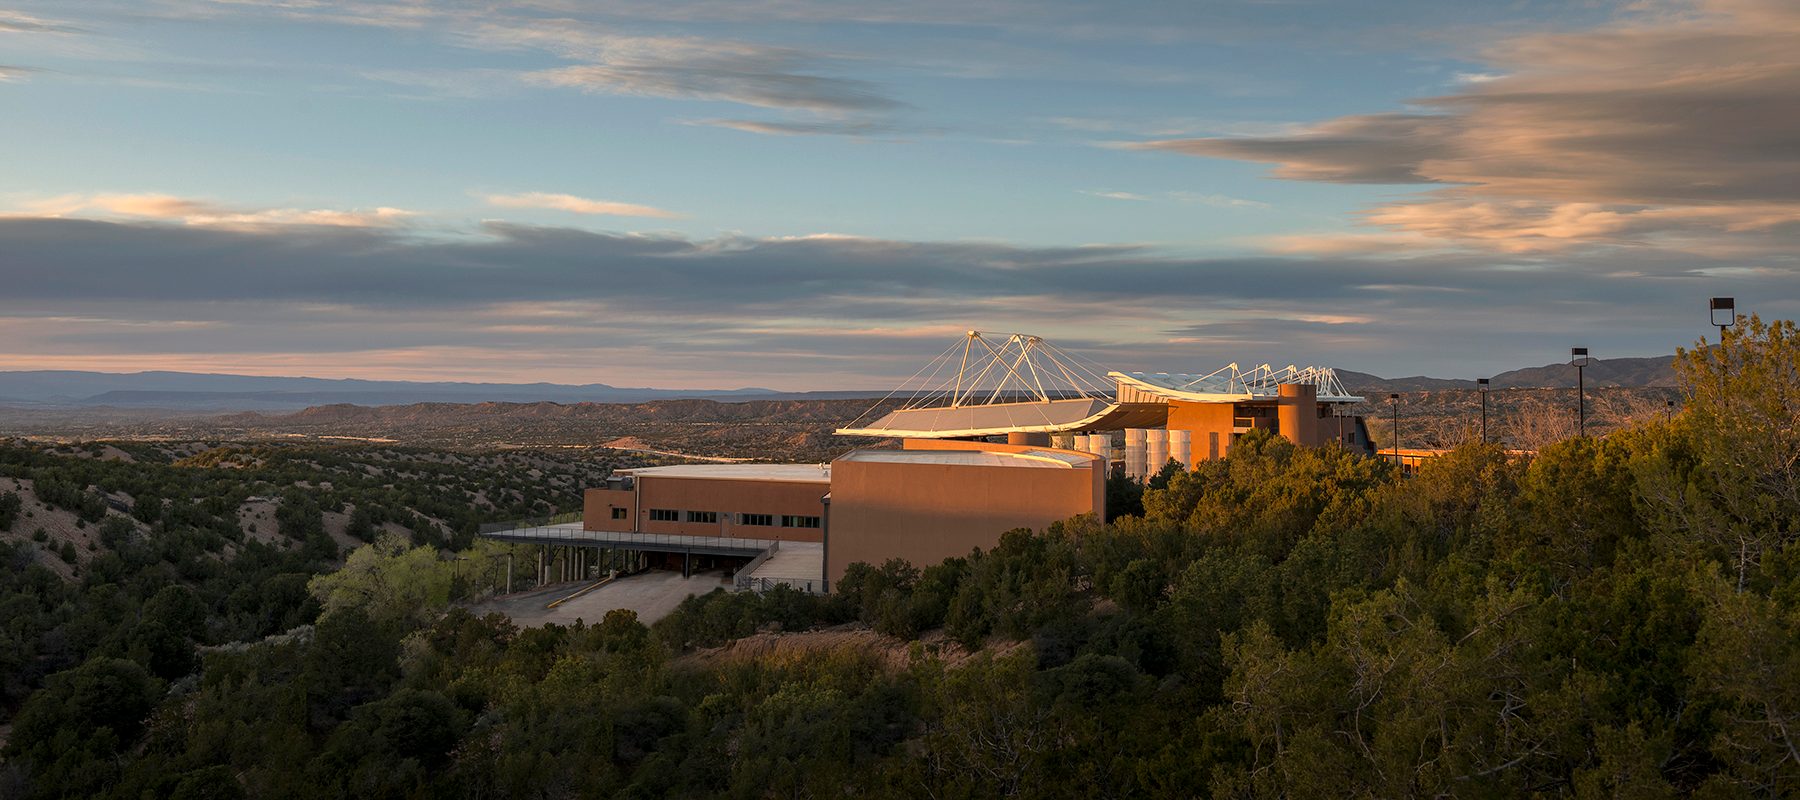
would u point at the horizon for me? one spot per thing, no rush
(805, 195)
(719, 389)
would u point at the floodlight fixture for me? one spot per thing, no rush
(1724, 313)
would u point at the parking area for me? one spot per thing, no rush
(653, 595)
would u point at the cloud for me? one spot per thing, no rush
(14, 22)
(1218, 200)
(1110, 195)
(1665, 129)
(855, 128)
(576, 205)
(727, 310)
(684, 67)
(1214, 200)
(1373, 148)
(11, 72)
(191, 211)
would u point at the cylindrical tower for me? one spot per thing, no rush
(1297, 412)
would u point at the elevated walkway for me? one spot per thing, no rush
(572, 534)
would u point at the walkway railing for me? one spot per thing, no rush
(765, 584)
(742, 578)
(533, 522)
(573, 534)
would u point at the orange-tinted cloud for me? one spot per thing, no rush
(575, 205)
(1675, 127)
(190, 211)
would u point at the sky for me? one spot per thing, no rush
(824, 194)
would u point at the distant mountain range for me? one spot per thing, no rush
(210, 392)
(201, 392)
(1657, 371)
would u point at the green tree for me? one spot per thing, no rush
(1733, 480)
(10, 505)
(389, 580)
(72, 735)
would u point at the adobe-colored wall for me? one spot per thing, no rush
(1297, 409)
(925, 513)
(775, 498)
(597, 506)
(1201, 419)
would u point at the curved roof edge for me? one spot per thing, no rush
(1210, 389)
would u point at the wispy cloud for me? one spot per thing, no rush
(1217, 200)
(854, 128)
(576, 205)
(190, 211)
(1198, 198)
(706, 69)
(1112, 195)
(15, 22)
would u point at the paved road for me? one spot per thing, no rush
(651, 594)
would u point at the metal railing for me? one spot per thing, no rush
(765, 584)
(533, 522)
(567, 534)
(742, 577)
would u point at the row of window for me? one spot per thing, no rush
(712, 518)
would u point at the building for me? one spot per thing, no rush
(1017, 436)
(1047, 397)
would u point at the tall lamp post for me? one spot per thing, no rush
(1724, 315)
(1578, 356)
(1394, 400)
(1482, 384)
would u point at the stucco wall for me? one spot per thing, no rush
(729, 497)
(1202, 419)
(925, 513)
(1298, 411)
(597, 506)
(734, 497)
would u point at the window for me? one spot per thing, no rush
(765, 520)
(621, 513)
(791, 521)
(710, 517)
(664, 515)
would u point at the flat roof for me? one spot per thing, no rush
(1036, 459)
(785, 473)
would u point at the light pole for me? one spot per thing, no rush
(1724, 315)
(1578, 356)
(1482, 384)
(1394, 400)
